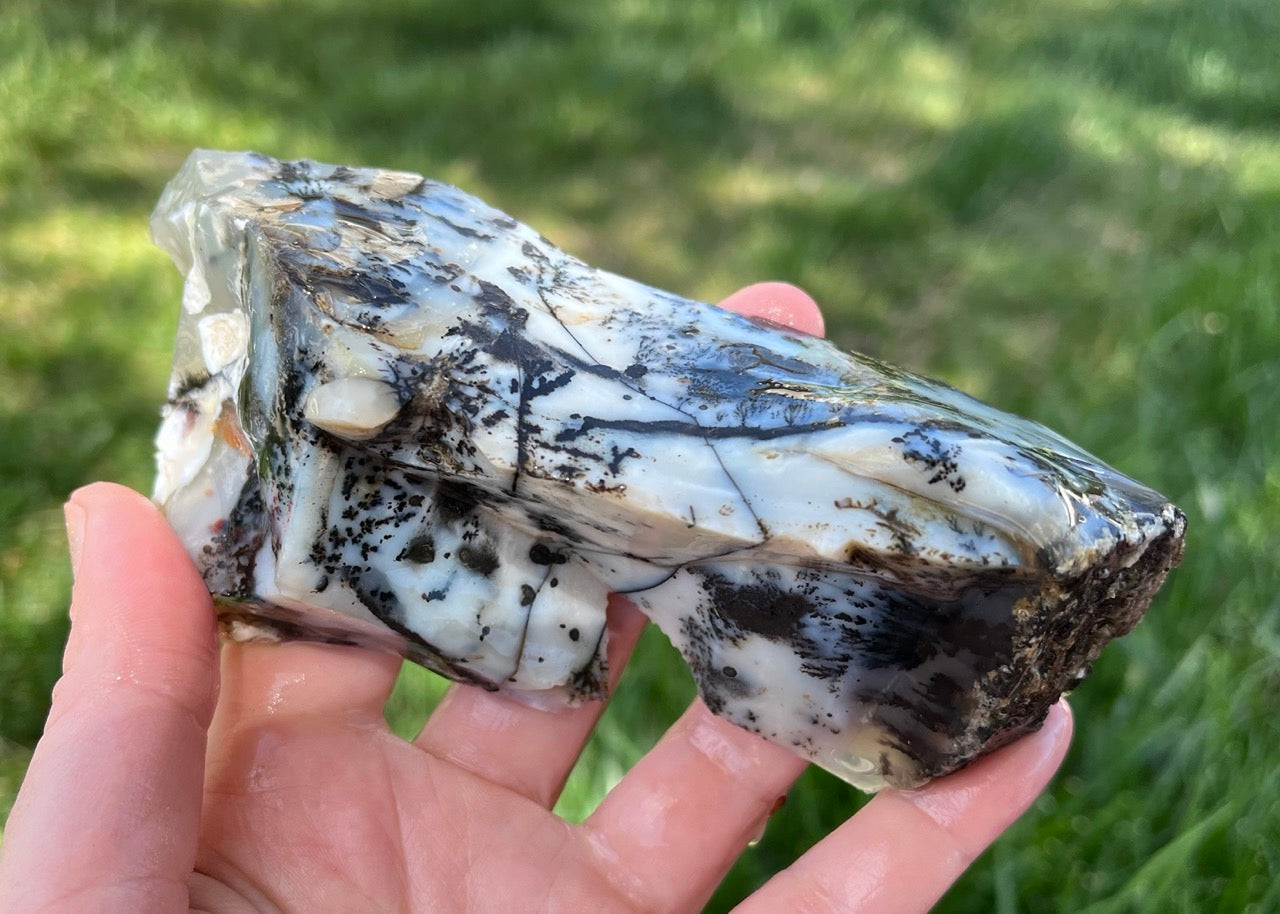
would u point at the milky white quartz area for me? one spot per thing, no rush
(398, 413)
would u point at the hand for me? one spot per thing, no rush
(154, 790)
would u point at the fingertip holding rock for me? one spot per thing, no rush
(979, 802)
(780, 303)
(905, 848)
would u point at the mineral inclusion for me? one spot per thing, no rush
(399, 418)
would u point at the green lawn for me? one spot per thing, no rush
(1071, 209)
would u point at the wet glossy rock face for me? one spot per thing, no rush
(401, 419)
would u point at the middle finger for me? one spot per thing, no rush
(525, 749)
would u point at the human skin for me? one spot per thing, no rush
(175, 773)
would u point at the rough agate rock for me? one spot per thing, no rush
(400, 418)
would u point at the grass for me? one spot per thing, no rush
(1071, 209)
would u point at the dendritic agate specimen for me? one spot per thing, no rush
(400, 418)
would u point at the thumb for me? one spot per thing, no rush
(108, 814)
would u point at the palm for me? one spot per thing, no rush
(308, 812)
(334, 812)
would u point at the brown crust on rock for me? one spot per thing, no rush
(1057, 640)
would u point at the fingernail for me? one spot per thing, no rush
(75, 518)
(1061, 719)
(1049, 741)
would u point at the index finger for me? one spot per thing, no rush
(906, 847)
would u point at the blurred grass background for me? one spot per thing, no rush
(1070, 208)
